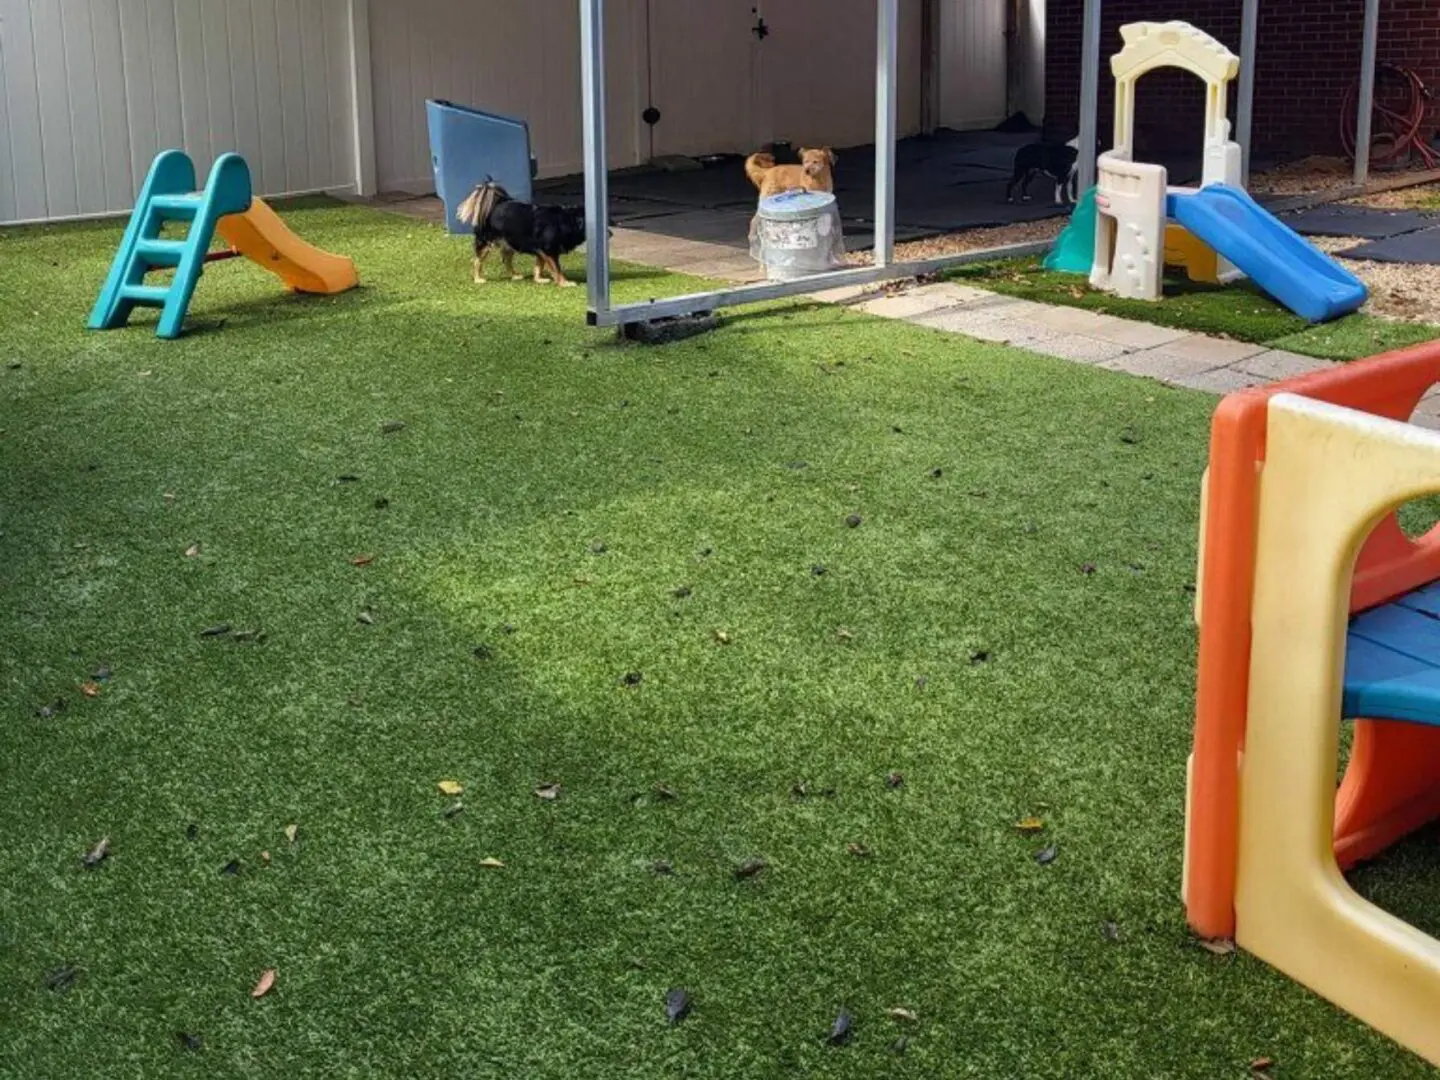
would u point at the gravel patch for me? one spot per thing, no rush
(1397, 291)
(1023, 232)
(1317, 174)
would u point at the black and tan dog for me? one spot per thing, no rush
(546, 232)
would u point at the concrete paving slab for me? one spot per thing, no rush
(738, 269)
(846, 294)
(1158, 364)
(958, 294)
(1220, 380)
(986, 326)
(1081, 349)
(1214, 352)
(959, 320)
(1069, 320)
(907, 305)
(1276, 364)
(1132, 334)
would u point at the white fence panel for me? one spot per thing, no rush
(91, 90)
(515, 58)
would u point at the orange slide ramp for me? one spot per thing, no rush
(263, 237)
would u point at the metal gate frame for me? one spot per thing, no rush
(597, 219)
(597, 216)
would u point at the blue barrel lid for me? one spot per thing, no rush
(796, 205)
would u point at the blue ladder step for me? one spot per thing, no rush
(169, 193)
(161, 252)
(149, 295)
(178, 204)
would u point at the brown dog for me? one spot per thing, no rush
(812, 174)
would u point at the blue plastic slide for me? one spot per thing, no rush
(1274, 256)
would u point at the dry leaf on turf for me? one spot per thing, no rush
(97, 854)
(267, 980)
(192, 551)
(362, 560)
(860, 851)
(450, 787)
(841, 1028)
(1030, 825)
(291, 832)
(902, 1015)
(1218, 946)
(265, 857)
(1261, 1064)
(722, 637)
(492, 863)
(1048, 855)
(548, 792)
(90, 689)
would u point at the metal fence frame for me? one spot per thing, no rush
(602, 312)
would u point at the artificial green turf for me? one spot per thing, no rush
(1236, 311)
(978, 658)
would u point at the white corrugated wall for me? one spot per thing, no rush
(973, 63)
(515, 57)
(91, 90)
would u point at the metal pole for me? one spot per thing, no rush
(886, 81)
(1245, 109)
(597, 180)
(1366, 103)
(1089, 92)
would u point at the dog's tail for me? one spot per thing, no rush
(476, 208)
(757, 165)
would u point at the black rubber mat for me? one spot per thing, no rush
(1361, 222)
(1421, 247)
(949, 181)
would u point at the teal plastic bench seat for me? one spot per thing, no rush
(1392, 660)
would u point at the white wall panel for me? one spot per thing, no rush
(973, 67)
(503, 56)
(91, 90)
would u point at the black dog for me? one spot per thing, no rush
(1057, 161)
(546, 232)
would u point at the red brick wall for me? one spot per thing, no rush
(1308, 54)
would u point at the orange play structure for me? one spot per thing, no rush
(1298, 536)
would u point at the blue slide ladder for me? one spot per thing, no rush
(169, 194)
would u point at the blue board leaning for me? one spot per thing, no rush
(469, 147)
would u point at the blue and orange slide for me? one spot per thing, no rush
(1279, 260)
(225, 205)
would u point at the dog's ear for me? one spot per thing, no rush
(832, 157)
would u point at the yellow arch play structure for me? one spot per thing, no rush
(1216, 231)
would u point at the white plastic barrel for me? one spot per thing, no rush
(796, 234)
